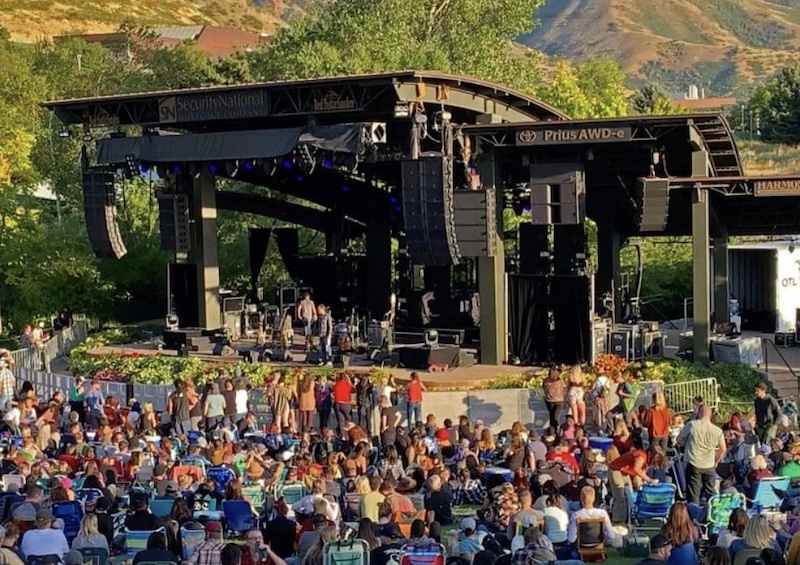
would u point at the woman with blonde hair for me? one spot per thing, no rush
(307, 403)
(89, 536)
(314, 555)
(575, 395)
(657, 420)
(757, 535)
(148, 423)
(362, 485)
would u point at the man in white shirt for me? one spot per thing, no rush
(705, 447)
(306, 505)
(588, 511)
(44, 540)
(307, 313)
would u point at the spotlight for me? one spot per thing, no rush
(287, 164)
(176, 169)
(432, 338)
(300, 178)
(307, 161)
(144, 169)
(398, 209)
(327, 163)
(345, 188)
(248, 165)
(131, 167)
(212, 168)
(63, 132)
(393, 199)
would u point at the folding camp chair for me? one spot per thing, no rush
(255, 495)
(180, 470)
(653, 502)
(195, 462)
(206, 509)
(88, 497)
(72, 514)
(423, 554)
(239, 515)
(720, 508)
(291, 493)
(191, 540)
(94, 555)
(591, 540)
(744, 554)
(136, 541)
(770, 492)
(161, 506)
(222, 476)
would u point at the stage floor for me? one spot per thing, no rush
(457, 378)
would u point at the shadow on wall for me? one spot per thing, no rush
(479, 409)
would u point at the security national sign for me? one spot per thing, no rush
(566, 136)
(225, 105)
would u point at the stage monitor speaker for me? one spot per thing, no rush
(476, 222)
(173, 222)
(558, 193)
(655, 205)
(428, 212)
(534, 249)
(99, 206)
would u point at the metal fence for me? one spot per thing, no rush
(59, 345)
(680, 396)
(46, 383)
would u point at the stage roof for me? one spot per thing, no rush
(330, 100)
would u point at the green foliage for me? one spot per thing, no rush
(778, 106)
(720, 78)
(651, 100)
(732, 17)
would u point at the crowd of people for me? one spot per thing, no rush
(340, 461)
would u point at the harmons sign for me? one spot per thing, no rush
(228, 105)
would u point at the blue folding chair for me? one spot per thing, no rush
(720, 508)
(653, 502)
(190, 541)
(239, 515)
(222, 476)
(161, 506)
(88, 497)
(206, 509)
(770, 492)
(94, 555)
(136, 541)
(72, 514)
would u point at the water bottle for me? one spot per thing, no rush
(759, 508)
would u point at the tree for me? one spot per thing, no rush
(563, 91)
(651, 100)
(602, 82)
(778, 106)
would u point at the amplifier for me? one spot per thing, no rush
(621, 344)
(785, 339)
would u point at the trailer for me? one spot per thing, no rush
(765, 280)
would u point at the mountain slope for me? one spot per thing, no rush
(719, 44)
(31, 20)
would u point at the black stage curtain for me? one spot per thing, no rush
(259, 244)
(528, 305)
(571, 318)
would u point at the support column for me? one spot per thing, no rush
(204, 212)
(701, 275)
(492, 278)
(609, 244)
(379, 268)
(721, 311)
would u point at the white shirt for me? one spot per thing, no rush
(241, 401)
(386, 392)
(583, 513)
(44, 542)
(556, 524)
(306, 506)
(13, 417)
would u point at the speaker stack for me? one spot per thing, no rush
(655, 205)
(428, 211)
(476, 222)
(99, 206)
(173, 222)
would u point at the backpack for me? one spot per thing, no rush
(346, 552)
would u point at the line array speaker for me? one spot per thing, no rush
(655, 205)
(534, 249)
(476, 222)
(428, 212)
(173, 222)
(569, 249)
(558, 193)
(99, 207)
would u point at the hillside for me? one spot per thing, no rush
(721, 45)
(31, 20)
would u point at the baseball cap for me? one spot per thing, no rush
(213, 527)
(172, 486)
(43, 516)
(159, 470)
(469, 524)
(103, 503)
(658, 541)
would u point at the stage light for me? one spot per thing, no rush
(212, 168)
(176, 169)
(345, 188)
(393, 200)
(300, 178)
(248, 165)
(307, 161)
(287, 164)
(144, 169)
(232, 168)
(398, 209)
(131, 167)
(432, 338)
(327, 163)
(63, 132)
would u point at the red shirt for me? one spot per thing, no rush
(342, 389)
(415, 391)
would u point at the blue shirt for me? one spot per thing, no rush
(683, 555)
(94, 401)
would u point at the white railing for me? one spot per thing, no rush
(60, 344)
(680, 396)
